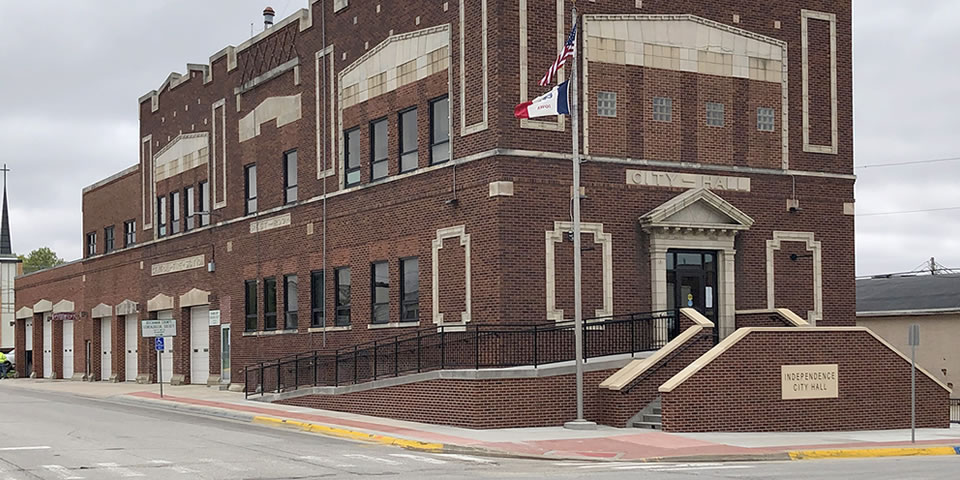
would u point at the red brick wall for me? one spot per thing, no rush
(112, 204)
(761, 320)
(740, 390)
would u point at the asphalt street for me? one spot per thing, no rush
(62, 437)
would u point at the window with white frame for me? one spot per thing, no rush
(607, 104)
(662, 109)
(715, 114)
(766, 119)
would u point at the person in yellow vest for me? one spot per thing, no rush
(4, 365)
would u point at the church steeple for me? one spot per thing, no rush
(6, 249)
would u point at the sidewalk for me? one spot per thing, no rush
(605, 443)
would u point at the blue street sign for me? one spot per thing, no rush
(158, 343)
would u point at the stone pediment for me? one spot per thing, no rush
(194, 298)
(160, 302)
(127, 307)
(24, 312)
(101, 311)
(43, 306)
(697, 209)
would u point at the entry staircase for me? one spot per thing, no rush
(650, 417)
(471, 346)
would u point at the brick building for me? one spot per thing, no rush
(355, 172)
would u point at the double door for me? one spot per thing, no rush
(692, 283)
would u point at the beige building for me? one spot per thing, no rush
(888, 305)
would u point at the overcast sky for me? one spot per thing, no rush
(72, 73)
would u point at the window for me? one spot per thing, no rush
(607, 104)
(250, 188)
(204, 204)
(129, 233)
(380, 292)
(270, 303)
(317, 299)
(439, 130)
(662, 109)
(408, 140)
(290, 176)
(91, 244)
(342, 279)
(174, 213)
(352, 154)
(250, 294)
(189, 208)
(378, 150)
(161, 216)
(290, 305)
(714, 114)
(766, 120)
(409, 290)
(108, 239)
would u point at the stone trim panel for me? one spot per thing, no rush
(603, 239)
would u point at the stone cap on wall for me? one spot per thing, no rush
(787, 315)
(24, 312)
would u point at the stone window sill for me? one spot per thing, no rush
(379, 326)
(330, 329)
(269, 333)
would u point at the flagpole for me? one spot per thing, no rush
(580, 423)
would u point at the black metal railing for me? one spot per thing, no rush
(471, 346)
(955, 410)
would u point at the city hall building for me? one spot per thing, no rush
(354, 176)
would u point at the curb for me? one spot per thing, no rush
(346, 433)
(873, 452)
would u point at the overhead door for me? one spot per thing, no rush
(131, 335)
(166, 357)
(67, 348)
(106, 347)
(47, 346)
(199, 345)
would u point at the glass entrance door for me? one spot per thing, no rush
(692, 283)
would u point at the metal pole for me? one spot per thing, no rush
(160, 372)
(913, 393)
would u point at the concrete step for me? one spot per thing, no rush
(657, 411)
(652, 419)
(647, 425)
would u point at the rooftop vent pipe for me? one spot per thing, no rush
(268, 15)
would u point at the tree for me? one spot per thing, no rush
(40, 259)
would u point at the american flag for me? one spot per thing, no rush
(569, 51)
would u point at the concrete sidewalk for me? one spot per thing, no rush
(605, 443)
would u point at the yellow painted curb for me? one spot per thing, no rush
(345, 433)
(872, 452)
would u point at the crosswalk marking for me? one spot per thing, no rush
(174, 467)
(385, 461)
(11, 449)
(118, 470)
(468, 458)
(62, 472)
(653, 467)
(418, 458)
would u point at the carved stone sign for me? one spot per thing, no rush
(175, 266)
(808, 381)
(687, 181)
(270, 223)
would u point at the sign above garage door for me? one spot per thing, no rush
(158, 328)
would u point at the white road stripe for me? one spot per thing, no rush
(11, 449)
(418, 458)
(175, 468)
(118, 470)
(468, 458)
(326, 461)
(62, 472)
(385, 461)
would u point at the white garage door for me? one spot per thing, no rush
(131, 335)
(67, 348)
(199, 345)
(166, 357)
(47, 346)
(29, 334)
(106, 347)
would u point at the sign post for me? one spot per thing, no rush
(158, 344)
(913, 340)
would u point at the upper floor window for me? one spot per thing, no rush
(378, 150)
(174, 213)
(662, 109)
(317, 299)
(342, 281)
(91, 244)
(290, 305)
(408, 140)
(129, 233)
(250, 305)
(189, 207)
(766, 119)
(352, 154)
(380, 292)
(290, 176)
(440, 130)
(250, 188)
(161, 216)
(607, 104)
(270, 303)
(108, 239)
(409, 290)
(715, 114)
(204, 204)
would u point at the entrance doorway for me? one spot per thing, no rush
(225, 353)
(199, 345)
(692, 283)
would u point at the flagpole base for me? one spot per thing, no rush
(580, 425)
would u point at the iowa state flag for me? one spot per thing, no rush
(554, 102)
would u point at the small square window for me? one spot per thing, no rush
(714, 114)
(607, 104)
(766, 119)
(662, 109)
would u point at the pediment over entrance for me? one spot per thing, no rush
(127, 307)
(160, 302)
(25, 312)
(194, 298)
(101, 311)
(698, 209)
(64, 306)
